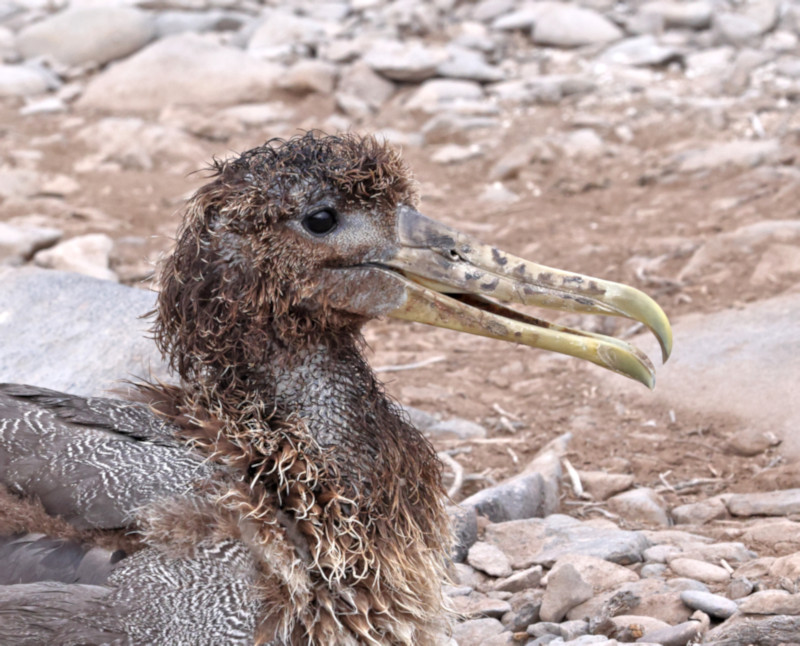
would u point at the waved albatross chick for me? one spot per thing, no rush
(275, 496)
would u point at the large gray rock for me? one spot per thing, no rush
(182, 69)
(87, 35)
(731, 362)
(73, 333)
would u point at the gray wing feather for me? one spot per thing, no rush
(151, 598)
(91, 461)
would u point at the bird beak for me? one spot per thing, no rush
(452, 281)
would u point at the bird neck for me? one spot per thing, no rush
(332, 471)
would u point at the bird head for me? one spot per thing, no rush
(300, 242)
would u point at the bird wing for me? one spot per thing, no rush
(90, 461)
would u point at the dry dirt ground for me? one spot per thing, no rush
(590, 215)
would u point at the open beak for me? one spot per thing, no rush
(452, 281)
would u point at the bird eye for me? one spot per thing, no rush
(321, 222)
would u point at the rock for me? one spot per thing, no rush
(773, 503)
(464, 524)
(653, 571)
(778, 261)
(640, 624)
(700, 513)
(192, 70)
(770, 602)
(282, 35)
(88, 254)
(714, 605)
(699, 570)
(642, 505)
(361, 90)
(751, 441)
(647, 597)
(489, 558)
(680, 635)
(689, 15)
(641, 51)
(522, 580)
(522, 615)
(23, 80)
(475, 605)
(168, 23)
(566, 25)
(602, 575)
(730, 362)
(661, 553)
(47, 318)
(475, 632)
(746, 154)
(442, 94)
(715, 552)
(565, 590)
(739, 587)
(455, 154)
(463, 63)
(455, 427)
(583, 143)
(497, 193)
(19, 243)
(467, 576)
(787, 567)
(543, 541)
(310, 76)
(735, 29)
(602, 485)
(523, 18)
(741, 629)
(533, 492)
(132, 143)
(410, 62)
(88, 35)
(19, 183)
(567, 630)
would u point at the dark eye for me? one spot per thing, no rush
(321, 222)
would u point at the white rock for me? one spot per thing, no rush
(22, 80)
(87, 35)
(692, 15)
(18, 244)
(310, 76)
(771, 602)
(565, 590)
(566, 25)
(362, 90)
(641, 51)
(405, 61)
(699, 570)
(455, 154)
(88, 254)
(602, 485)
(19, 182)
(641, 505)
(135, 144)
(441, 94)
(283, 34)
(583, 143)
(190, 70)
(489, 559)
(602, 575)
(463, 63)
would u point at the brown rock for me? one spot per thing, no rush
(602, 485)
(565, 590)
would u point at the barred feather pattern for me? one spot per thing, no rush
(116, 456)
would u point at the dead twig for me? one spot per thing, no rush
(409, 366)
(458, 473)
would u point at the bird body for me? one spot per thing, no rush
(275, 495)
